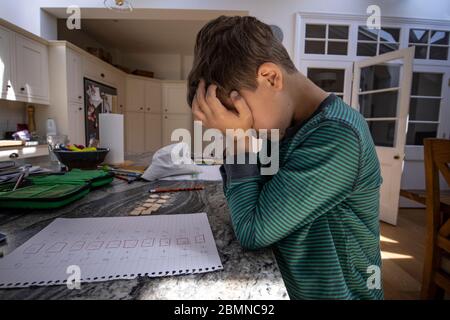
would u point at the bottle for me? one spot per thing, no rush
(51, 127)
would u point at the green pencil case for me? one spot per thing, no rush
(54, 190)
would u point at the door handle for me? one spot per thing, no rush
(397, 157)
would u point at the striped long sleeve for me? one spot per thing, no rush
(319, 175)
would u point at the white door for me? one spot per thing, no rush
(153, 131)
(32, 69)
(332, 76)
(381, 92)
(5, 63)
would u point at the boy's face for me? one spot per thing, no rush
(269, 102)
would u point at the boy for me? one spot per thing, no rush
(319, 212)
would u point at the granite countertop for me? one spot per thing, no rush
(246, 274)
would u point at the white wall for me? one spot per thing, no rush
(26, 13)
(165, 66)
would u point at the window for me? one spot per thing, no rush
(372, 42)
(430, 44)
(330, 80)
(326, 39)
(424, 107)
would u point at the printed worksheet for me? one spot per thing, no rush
(110, 248)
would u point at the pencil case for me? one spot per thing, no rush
(54, 190)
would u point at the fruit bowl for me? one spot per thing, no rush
(81, 160)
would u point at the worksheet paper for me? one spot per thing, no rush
(113, 248)
(207, 173)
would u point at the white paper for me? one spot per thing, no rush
(113, 248)
(207, 173)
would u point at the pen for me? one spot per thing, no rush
(162, 190)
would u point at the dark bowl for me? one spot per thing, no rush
(81, 160)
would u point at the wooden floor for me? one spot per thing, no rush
(402, 250)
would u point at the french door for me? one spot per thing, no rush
(381, 92)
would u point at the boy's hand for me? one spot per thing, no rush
(208, 109)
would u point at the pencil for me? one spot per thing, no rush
(162, 190)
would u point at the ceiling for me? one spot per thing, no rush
(157, 36)
(145, 30)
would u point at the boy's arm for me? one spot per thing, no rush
(319, 175)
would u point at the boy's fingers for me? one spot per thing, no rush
(240, 104)
(203, 105)
(198, 114)
(212, 100)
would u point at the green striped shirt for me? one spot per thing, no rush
(319, 212)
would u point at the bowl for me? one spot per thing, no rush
(81, 160)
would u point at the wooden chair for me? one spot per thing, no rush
(436, 274)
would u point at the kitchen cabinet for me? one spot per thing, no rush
(76, 130)
(153, 97)
(6, 63)
(32, 78)
(135, 95)
(74, 77)
(174, 97)
(172, 122)
(134, 132)
(153, 129)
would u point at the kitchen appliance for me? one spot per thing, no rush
(98, 98)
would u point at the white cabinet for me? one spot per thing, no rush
(5, 63)
(134, 132)
(171, 122)
(135, 95)
(31, 70)
(153, 129)
(74, 76)
(174, 97)
(153, 100)
(76, 128)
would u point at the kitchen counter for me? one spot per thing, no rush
(246, 274)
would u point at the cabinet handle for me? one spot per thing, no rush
(8, 86)
(79, 97)
(148, 109)
(165, 110)
(80, 108)
(22, 89)
(165, 117)
(103, 75)
(141, 108)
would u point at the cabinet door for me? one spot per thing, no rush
(134, 132)
(153, 131)
(32, 69)
(74, 76)
(5, 63)
(135, 95)
(174, 98)
(172, 122)
(76, 124)
(153, 99)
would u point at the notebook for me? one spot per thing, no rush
(108, 248)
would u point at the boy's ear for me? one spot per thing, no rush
(270, 75)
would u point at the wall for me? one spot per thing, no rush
(165, 66)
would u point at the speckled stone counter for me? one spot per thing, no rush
(246, 274)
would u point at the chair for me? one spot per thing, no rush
(436, 271)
